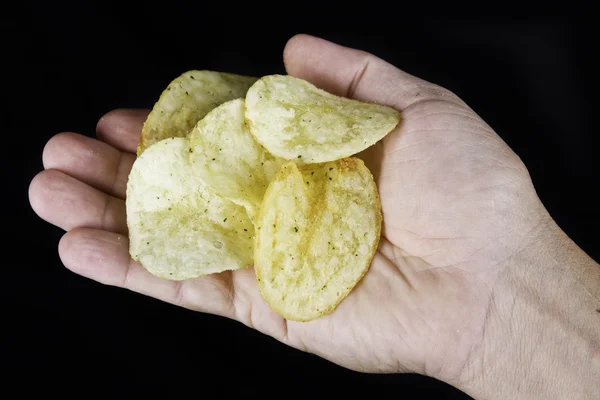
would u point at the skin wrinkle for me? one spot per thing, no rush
(398, 271)
(525, 359)
(433, 252)
(415, 144)
(105, 209)
(490, 313)
(453, 352)
(232, 293)
(468, 143)
(224, 284)
(285, 333)
(568, 269)
(452, 130)
(404, 343)
(423, 102)
(487, 145)
(109, 217)
(116, 174)
(504, 164)
(294, 336)
(127, 275)
(478, 350)
(479, 124)
(250, 313)
(358, 76)
(397, 162)
(179, 296)
(421, 237)
(428, 369)
(470, 257)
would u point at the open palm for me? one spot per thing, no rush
(454, 199)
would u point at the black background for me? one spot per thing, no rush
(528, 73)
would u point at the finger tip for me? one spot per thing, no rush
(68, 247)
(301, 41)
(54, 148)
(326, 64)
(73, 251)
(121, 116)
(65, 245)
(121, 127)
(94, 254)
(32, 193)
(38, 192)
(110, 119)
(295, 41)
(294, 49)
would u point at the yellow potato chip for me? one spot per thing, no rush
(229, 160)
(186, 100)
(295, 120)
(318, 230)
(178, 228)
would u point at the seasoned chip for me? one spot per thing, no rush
(186, 100)
(318, 230)
(178, 228)
(229, 160)
(295, 120)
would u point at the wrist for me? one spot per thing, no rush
(542, 331)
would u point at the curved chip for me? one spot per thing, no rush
(318, 230)
(186, 100)
(178, 228)
(294, 119)
(229, 160)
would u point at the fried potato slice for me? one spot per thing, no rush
(186, 100)
(318, 230)
(295, 120)
(178, 228)
(229, 160)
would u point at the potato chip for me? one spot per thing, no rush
(295, 120)
(229, 160)
(318, 230)
(178, 228)
(186, 100)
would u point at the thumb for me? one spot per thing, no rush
(357, 74)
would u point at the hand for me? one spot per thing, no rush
(458, 206)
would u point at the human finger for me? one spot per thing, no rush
(91, 161)
(69, 203)
(121, 128)
(357, 74)
(104, 257)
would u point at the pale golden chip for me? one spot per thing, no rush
(178, 228)
(186, 100)
(229, 160)
(318, 230)
(295, 120)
